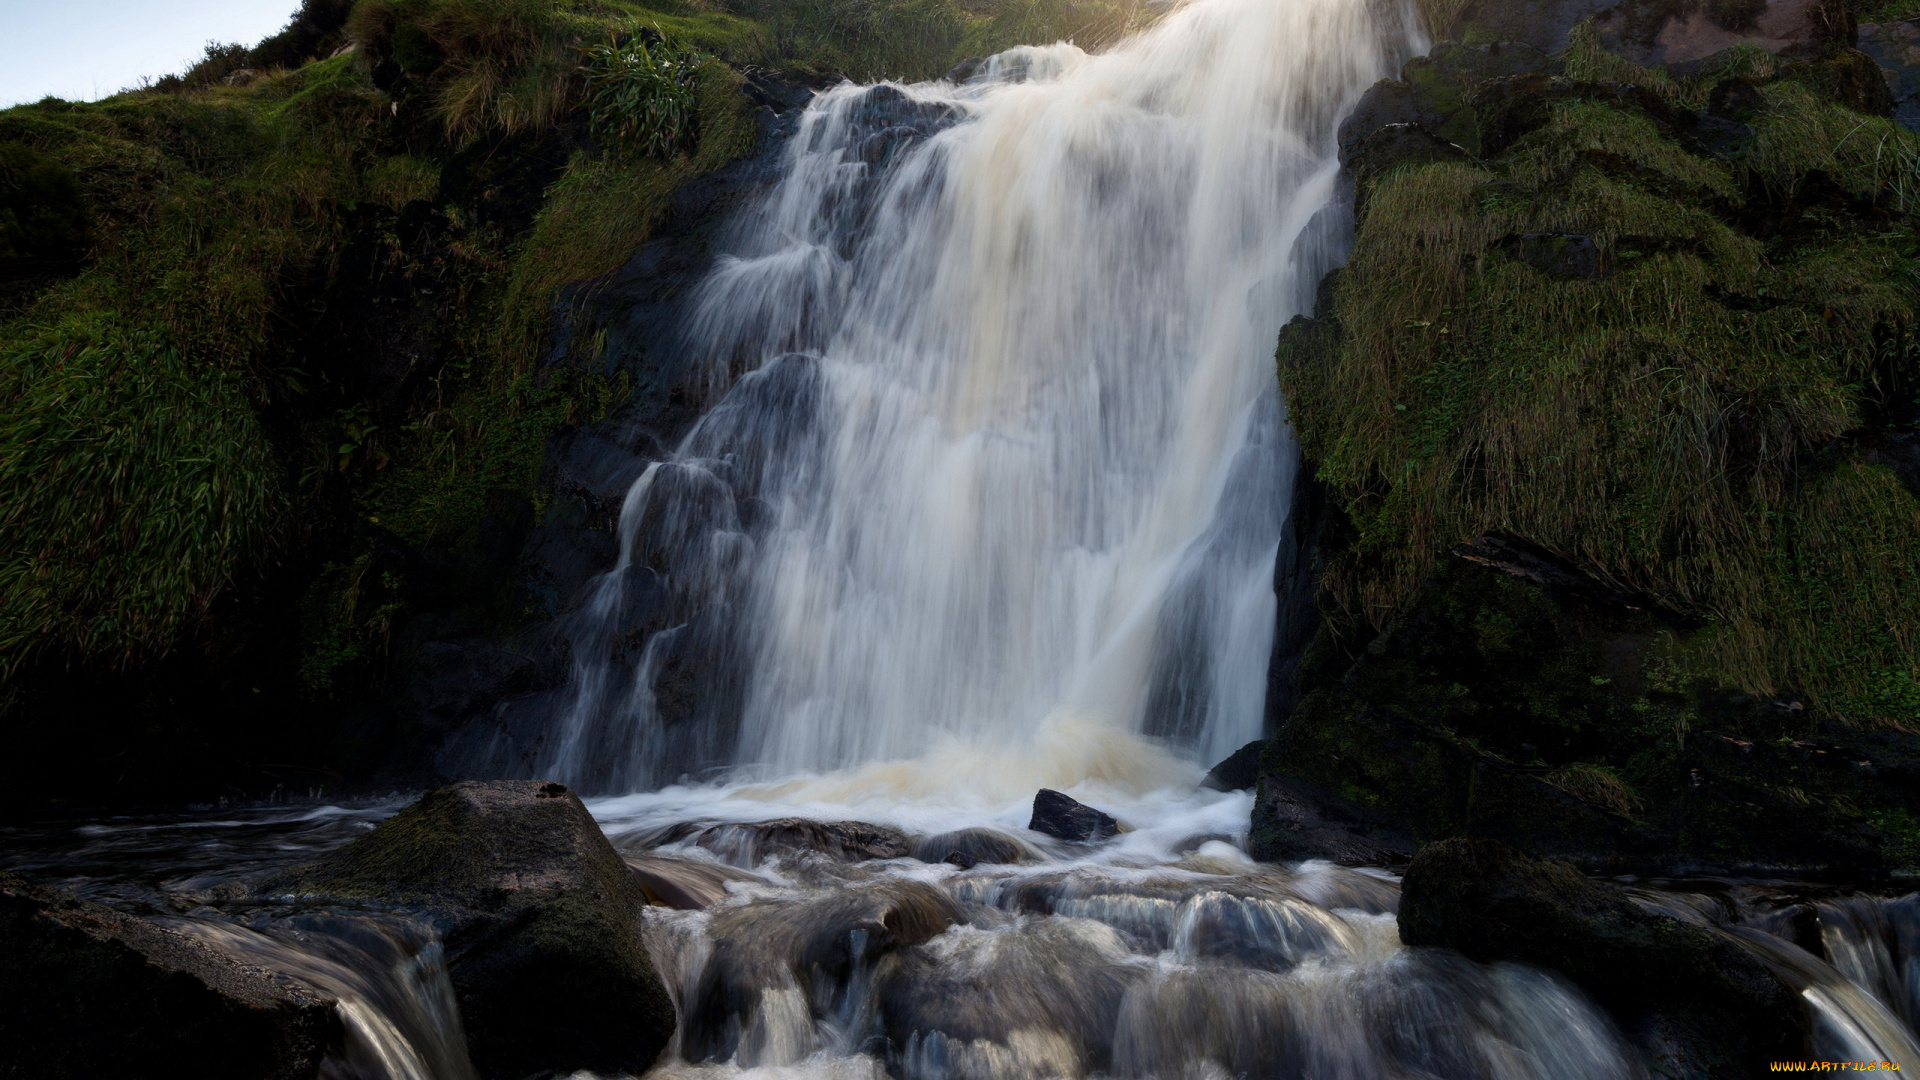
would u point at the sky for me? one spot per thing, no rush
(87, 49)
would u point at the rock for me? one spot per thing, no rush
(817, 942)
(1698, 1002)
(539, 915)
(1239, 772)
(86, 992)
(1065, 818)
(752, 843)
(1560, 255)
(1511, 700)
(1295, 820)
(966, 848)
(683, 883)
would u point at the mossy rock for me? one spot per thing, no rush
(1696, 1002)
(540, 916)
(1522, 700)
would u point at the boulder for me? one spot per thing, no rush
(1066, 818)
(539, 915)
(1239, 772)
(1699, 1004)
(86, 991)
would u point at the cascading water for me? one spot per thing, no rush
(1006, 472)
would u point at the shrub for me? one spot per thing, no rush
(641, 96)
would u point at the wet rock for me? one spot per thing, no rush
(86, 992)
(682, 883)
(1701, 1004)
(797, 948)
(1066, 818)
(1239, 772)
(539, 915)
(967, 848)
(1040, 998)
(752, 843)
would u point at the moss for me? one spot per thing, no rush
(1645, 409)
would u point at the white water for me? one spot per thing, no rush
(1010, 424)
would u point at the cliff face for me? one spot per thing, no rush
(317, 356)
(1615, 406)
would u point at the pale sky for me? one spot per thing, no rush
(86, 49)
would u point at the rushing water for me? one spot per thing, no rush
(997, 469)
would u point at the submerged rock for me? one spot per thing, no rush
(966, 848)
(540, 917)
(1066, 818)
(1696, 1001)
(87, 992)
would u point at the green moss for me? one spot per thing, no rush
(1639, 409)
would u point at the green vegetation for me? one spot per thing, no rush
(134, 487)
(277, 318)
(1664, 364)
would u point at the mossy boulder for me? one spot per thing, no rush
(1698, 1004)
(540, 917)
(86, 991)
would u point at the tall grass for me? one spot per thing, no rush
(134, 486)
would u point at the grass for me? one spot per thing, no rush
(1679, 424)
(134, 486)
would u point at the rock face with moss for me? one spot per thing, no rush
(1614, 405)
(540, 917)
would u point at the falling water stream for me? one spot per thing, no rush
(987, 499)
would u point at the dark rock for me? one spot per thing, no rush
(752, 843)
(967, 848)
(539, 915)
(1397, 146)
(1295, 820)
(1702, 1004)
(86, 992)
(965, 70)
(1065, 818)
(1239, 772)
(452, 682)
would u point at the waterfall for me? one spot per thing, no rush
(997, 468)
